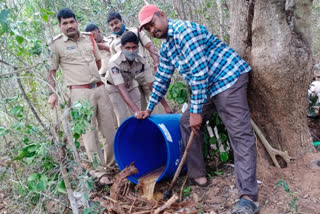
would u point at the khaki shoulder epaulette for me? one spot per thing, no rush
(116, 58)
(56, 37)
(141, 59)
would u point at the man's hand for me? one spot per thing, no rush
(168, 110)
(142, 114)
(195, 122)
(53, 100)
(103, 47)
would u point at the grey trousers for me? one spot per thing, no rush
(232, 107)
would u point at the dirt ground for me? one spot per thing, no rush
(299, 192)
(295, 189)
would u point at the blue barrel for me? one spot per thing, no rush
(151, 143)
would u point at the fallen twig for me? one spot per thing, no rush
(110, 199)
(132, 205)
(173, 199)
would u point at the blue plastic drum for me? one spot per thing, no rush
(150, 143)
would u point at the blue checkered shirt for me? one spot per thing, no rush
(207, 65)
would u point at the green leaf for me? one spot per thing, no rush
(224, 157)
(3, 131)
(32, 181)
(16, 110)
(86, 196)
(45, 17)
(213, 140)
(218, 172)
(42, 184)
(286, 187)
(3, 21)
(187, 191)
(19, 39)
(279, 184)
(9, 99)
(61, 187)
(27, 152)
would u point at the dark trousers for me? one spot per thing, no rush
(232, 107)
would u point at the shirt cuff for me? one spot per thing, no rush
(150, 106)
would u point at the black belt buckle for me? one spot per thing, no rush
(93, 85)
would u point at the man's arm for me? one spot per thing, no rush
(104, 47)
(98, 62)
(153, 53)
(53, 98)
(126, 97)
(163, 101)
(194, 52)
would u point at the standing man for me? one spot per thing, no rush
(118, 105)
(103, 44)
(77, 54)
(218, 80)
(118, 28)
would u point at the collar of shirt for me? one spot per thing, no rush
(170, 28)
(65, 38)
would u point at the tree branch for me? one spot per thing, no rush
(29, 102)
(18, 71)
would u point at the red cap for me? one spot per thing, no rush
(146, 14)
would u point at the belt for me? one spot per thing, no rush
(91, 85)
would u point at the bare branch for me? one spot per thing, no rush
(29, 102)
(20, 70)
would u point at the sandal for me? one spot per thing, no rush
(245, 206)
(193, 182)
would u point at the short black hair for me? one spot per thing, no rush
(129, 37)
(65, 13)
(114, 15)
(91, 27)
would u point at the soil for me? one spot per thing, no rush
(301, 179)
(294, 189)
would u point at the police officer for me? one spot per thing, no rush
(77, 54)
(123, 67)
(118, 28)
(104, 43)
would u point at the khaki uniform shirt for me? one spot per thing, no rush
(116, 43)
(105, 55)
(76, 59)
(121, 72)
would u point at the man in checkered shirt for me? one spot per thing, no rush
(218, 80)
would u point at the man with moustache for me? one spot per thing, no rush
(77, 55)
(218, 79)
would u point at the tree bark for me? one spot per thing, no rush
(276, 43)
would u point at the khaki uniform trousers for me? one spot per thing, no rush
(145, 93)
(103, 115)
(120, 107)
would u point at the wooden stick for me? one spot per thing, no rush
(173, 199)
(182, 161)
(183, 184)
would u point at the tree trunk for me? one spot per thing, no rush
(276, 43)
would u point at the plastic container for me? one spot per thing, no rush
(151, 143)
